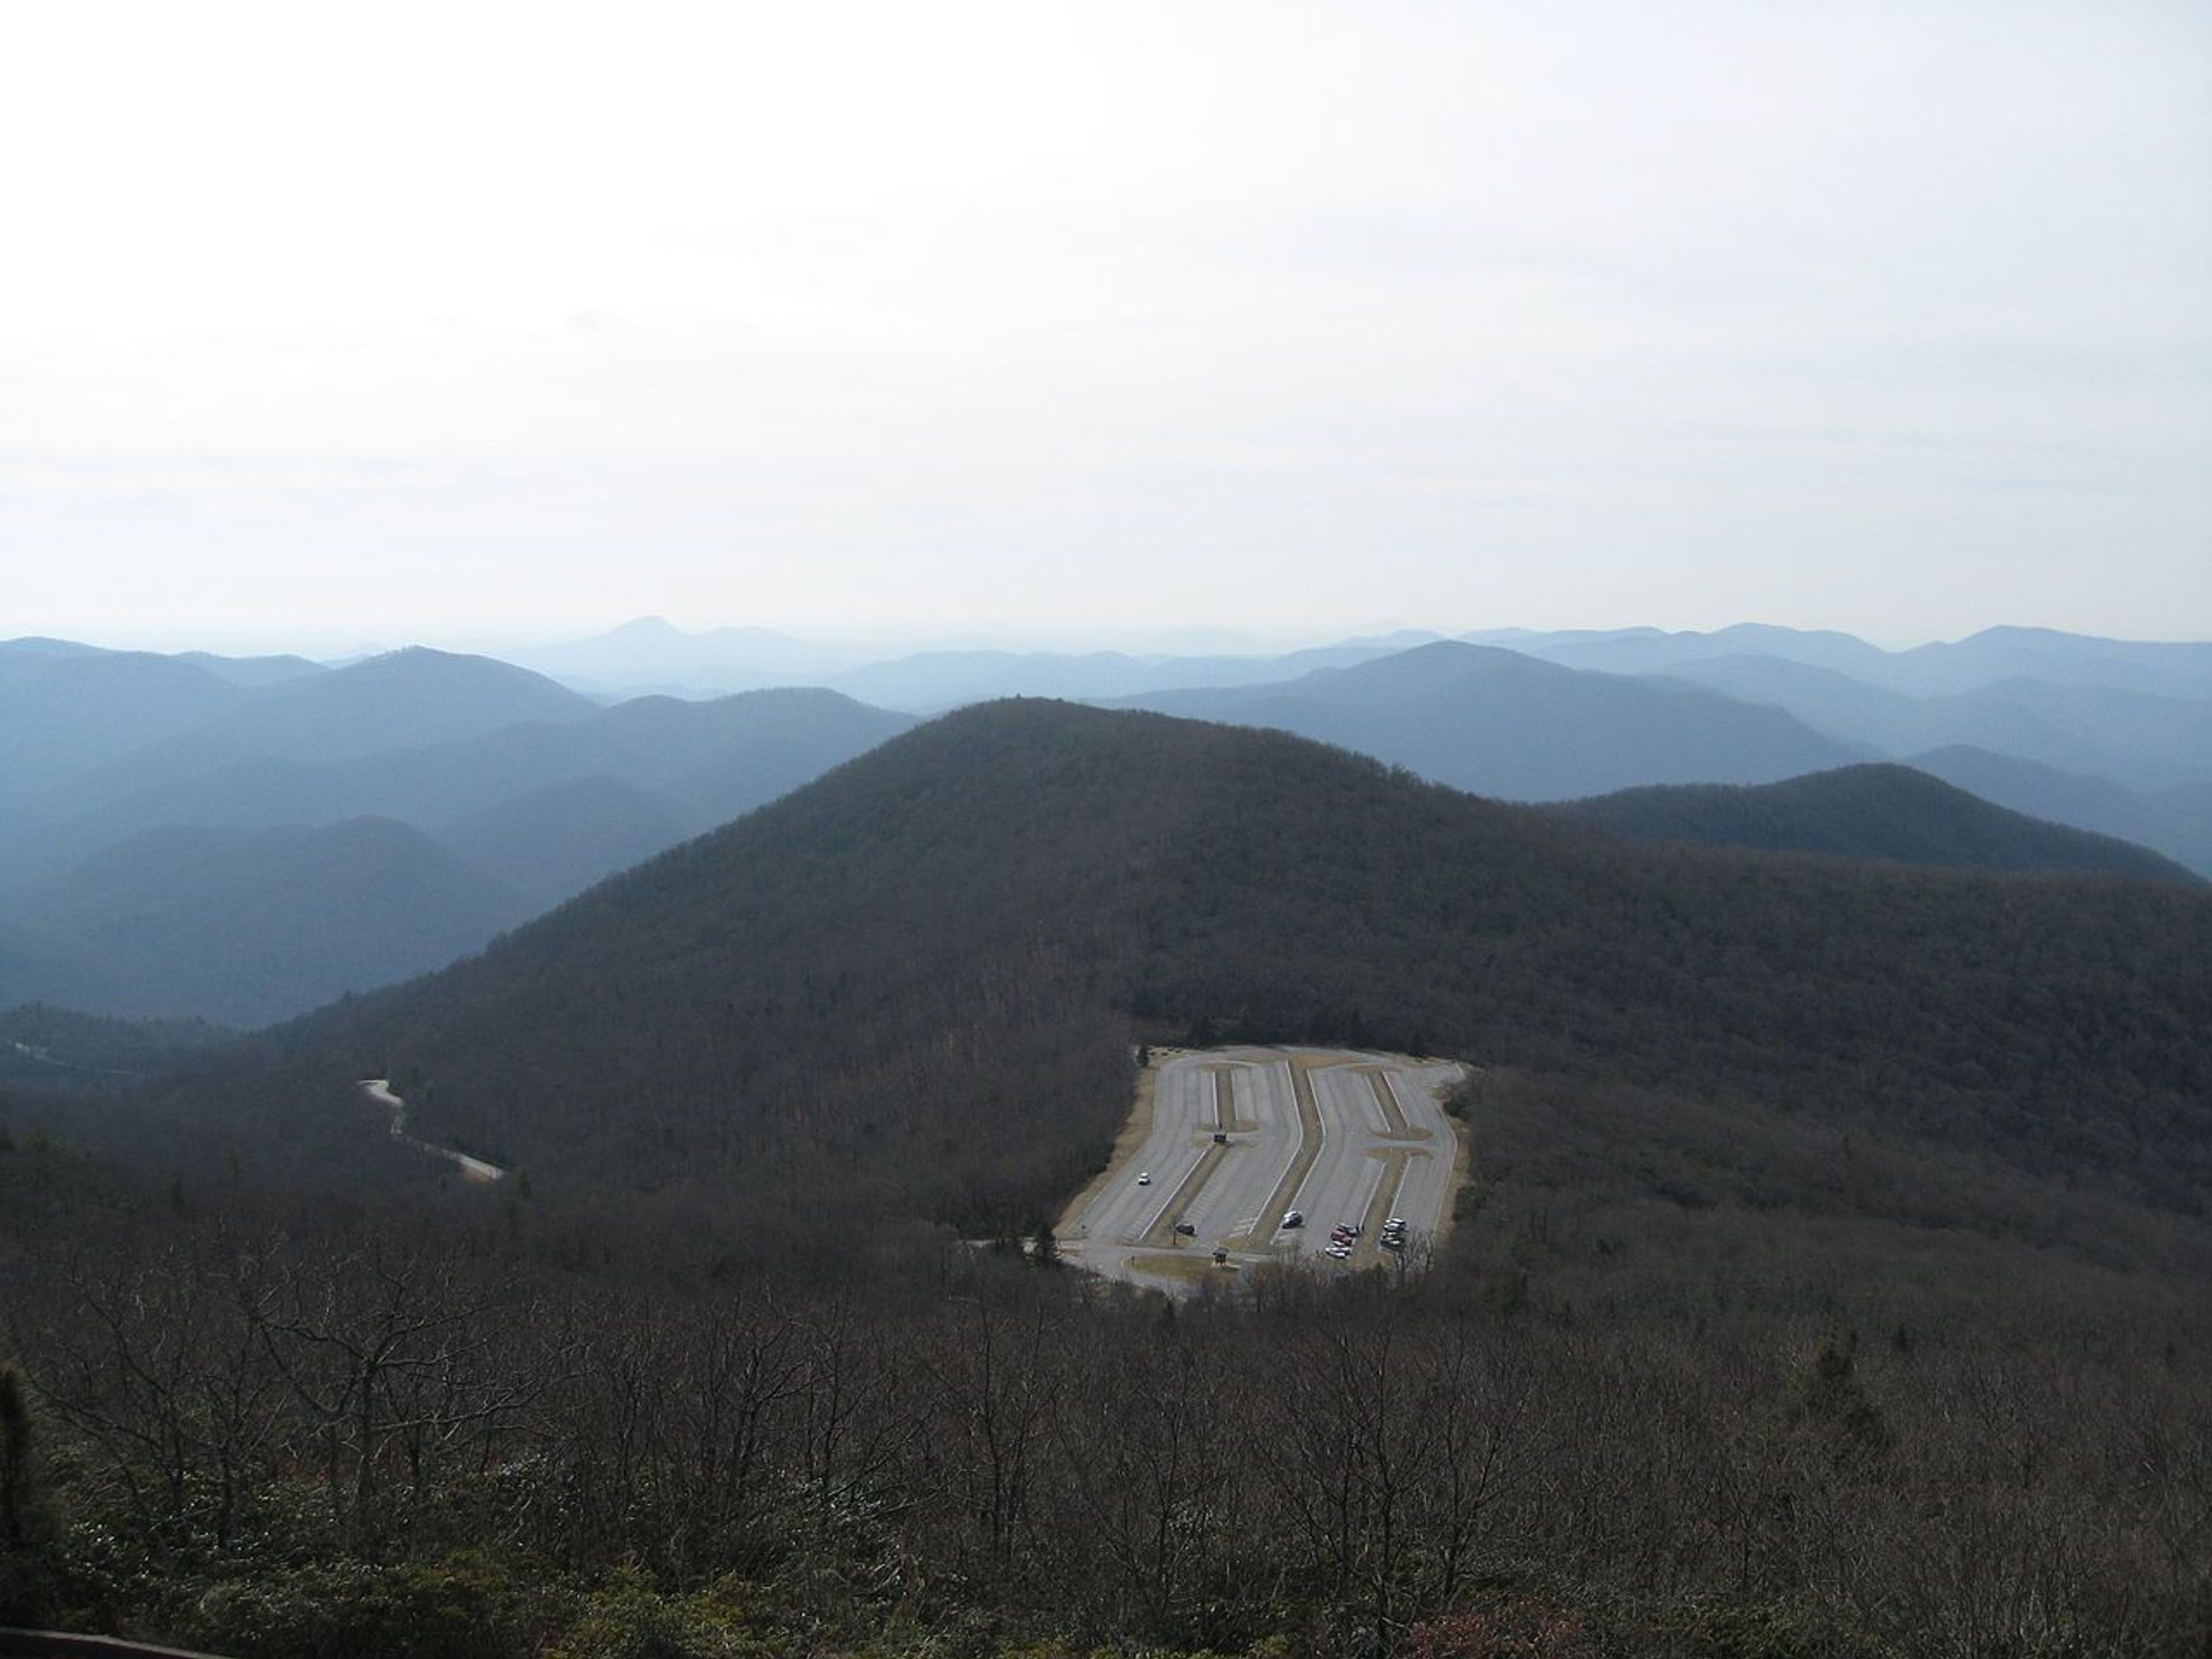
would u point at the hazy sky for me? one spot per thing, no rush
(449, 322)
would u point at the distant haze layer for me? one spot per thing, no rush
(1091, 319)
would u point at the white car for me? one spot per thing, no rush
(1144, 1177)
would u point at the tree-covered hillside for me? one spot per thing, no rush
(248, 926)
(917, 978)
(1830, 1281)
(1874, 811)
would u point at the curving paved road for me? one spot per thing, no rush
(1342, 1135)
(378, 1089)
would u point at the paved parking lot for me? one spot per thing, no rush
(1240, 1137)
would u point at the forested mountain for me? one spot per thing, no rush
(108, 731)
(60, 1048)
(64, 710)
(1502, 724)
(523, 816)
(1830, 1283)
(2176, 821)
(2130, 737)
(912, 979)
(401, 699)
(547, 843)
(2155, 668)
(1872, 812)
(245, 926)
(705, 762)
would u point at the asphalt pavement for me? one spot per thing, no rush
(1340, 1134)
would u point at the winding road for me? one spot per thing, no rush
(378, 1089)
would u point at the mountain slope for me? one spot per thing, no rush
(64, 710)
(1872, 812)
(703, 762)
(2176, 822)
(551, 842)
(400, 699)
(58, 1048)
(1502, 724)
(245, 927)
(253, 671)
(2127, 736)
(2153, 668)
(910, 985)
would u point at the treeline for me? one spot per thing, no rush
(273, 1435)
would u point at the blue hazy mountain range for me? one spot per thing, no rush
(238, 838)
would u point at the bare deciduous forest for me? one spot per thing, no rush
(1830, 1281)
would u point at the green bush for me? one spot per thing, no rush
(461, 1608)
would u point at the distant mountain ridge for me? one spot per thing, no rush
(2156, 668)
(178, 788)
(2110, 736)
(245, 926)
(649, 654)
(1882, 811)
(932, 682)
(1496, 722)
(537, 790)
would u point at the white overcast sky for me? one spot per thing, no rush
(322, 323)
